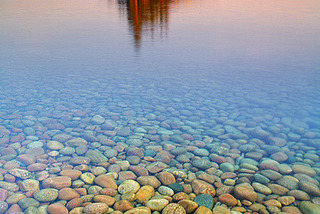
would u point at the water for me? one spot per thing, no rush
(168, 73)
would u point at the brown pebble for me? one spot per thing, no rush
(166, 178)
(81, 191)
(228, 199)
(57, 208)
(36, 167)
(58, 182)
(68, 194)
(9, 178)
(73, 203)
(104, 199)
(149, 180)
(3, 194)
(108, 191)
(106, 181)
(14, 208)
(123, 205)
(71, 173)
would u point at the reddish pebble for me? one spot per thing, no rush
(71, 173)
(76, 202)
(26, 159)
(57, 208)
(3, 194)
(37, 167)
(13, 209)
(68, 194)
(228, 199)
(127, 175)
(219, 159)
(123, 205)
(108, 191)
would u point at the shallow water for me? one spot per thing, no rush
(168, 73)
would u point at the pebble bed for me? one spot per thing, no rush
(93, 152)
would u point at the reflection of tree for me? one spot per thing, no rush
(146, 16)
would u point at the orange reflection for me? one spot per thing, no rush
(147, 16)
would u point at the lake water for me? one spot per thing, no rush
(202, 86)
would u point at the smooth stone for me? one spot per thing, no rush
(309, 188)
(204, 200)
(309, 208)
(68, 194)
(9, 186)
(202, 164)
(97, 120)
(31, 210)
(157, 204)
(46, 195)
(173, 208)
(80, 160)
(163, 190)
(133, 160)
(156, 167)
(28, 202)
(139, 210)
(106, 181)
(289, 182)
(166, 178)
(304, 170)
(272, 175)
(96, 156)
(14, 198)
(203, 210)
(71, 173)
(179, 151)
(35, 144)
(201, 152)
(286, 200)
(176, 187)
(299, 195)
(96, 208)
(188, 205)
(67, 151)
(73, 203)
(57, 208)
(58, 182)
(261, 188)
(144, 194)
(123, 205)
(284, 168)
(228, 199)
(149, 180)
(278, 189)
(20, 173)
(279, 156)
(220, 210)
(245, 191)
(110, 153)
(202, 187)
(29, 185)
(74, 142)
(87, 177)
(261, 178)
(129, 186)
(227, 167)
(54, 145)
(134, 142)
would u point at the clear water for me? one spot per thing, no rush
(197, 65)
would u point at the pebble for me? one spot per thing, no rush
(57, 208)
(54, 145)
(29, 185)
(227, 167)
(202, 164)
(204, 200)
(144, 194)
(271, 174)
(68, 194)
(104, 199)
(106, 181)
(188, 205)
(157, 204)
(123, 205)
(309, 188)
(14, 198)
(3, 207)
(149, 180)
(163, 190)
(203, 210)
(96, 208)
(173, 208)
(58, 182)
(139, 210)
(304, 170)
(228, 199)
(129, 186)
(261, 188)
(9, 186)
(245, 191)
(24, 203)
(299, 195)
(309, 208)
(202, 187)
(20, 173)
(166, 178)
(46, 195)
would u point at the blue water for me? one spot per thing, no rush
(200, 67)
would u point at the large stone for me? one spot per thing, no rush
(149, 180)
(188, 205)
(129, 186)
(204, 200)
(202, 187)
(156, 167)
(96, 208)
(166, 178)
(46, 195)
(20, 173)
(58, 182)
(173, 208)
(157, 204)
(144, 194)
(304, 170)
(309, 188)
(106, 181)
(309, 208)
(245, 191)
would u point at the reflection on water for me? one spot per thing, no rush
(148, 17)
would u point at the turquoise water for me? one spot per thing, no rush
(168, 73)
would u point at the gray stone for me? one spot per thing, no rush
(46, 195)
(28, 202)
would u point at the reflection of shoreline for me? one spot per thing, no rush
(146, 16)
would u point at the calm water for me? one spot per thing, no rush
(205, 68)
